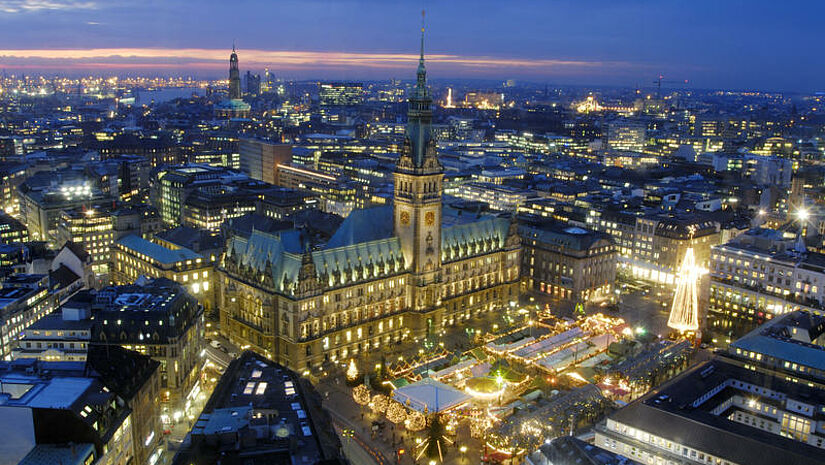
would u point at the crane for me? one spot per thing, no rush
(660, 79)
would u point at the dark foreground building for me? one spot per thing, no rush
(568, 450)
(261, 413)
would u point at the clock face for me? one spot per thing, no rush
(429, 218)
(405, 218)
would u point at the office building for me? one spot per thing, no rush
(208, 208)
(12, 231)
(41, 204)
(253, 83)
(761, 401)
(340, 93)
(280, 202)
(11, 176)
(498, 197)
(626, 135)
(652, 246)
(260, 159)
(24, 299)
(337, 195)
(63, 335)
(159, 151)
(157, 318)
(760, 275)
(567, 262)
(171, 187)
(91, 227)
(133, 257)
(100, 412)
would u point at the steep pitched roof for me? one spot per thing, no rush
(77, 250)
(365, 225)
(463, 240)
(62, 277)
(275, 254)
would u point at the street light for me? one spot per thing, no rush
(803, 214)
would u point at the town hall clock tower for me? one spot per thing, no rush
(418, 192)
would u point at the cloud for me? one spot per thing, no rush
(216, 59)
(27, 6)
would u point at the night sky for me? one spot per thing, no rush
(756, 44)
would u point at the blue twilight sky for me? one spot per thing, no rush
(755, 44)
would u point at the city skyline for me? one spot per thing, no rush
(733, 46)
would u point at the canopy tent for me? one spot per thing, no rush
(430, 395)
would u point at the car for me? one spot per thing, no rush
(215, 344)
(233, 354)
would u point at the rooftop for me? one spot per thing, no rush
(273, 412)
(680, 411)
(781, 339)
(63, 454)
(157, 252)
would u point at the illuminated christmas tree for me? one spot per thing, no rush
(684, 313)
(352, 371)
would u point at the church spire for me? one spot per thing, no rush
(234, 75)
(422, 38)
(419, 147)
(421, 84)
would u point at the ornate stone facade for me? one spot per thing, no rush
(388, 274)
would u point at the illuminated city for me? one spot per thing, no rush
(331, 232)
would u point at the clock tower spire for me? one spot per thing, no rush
(418, 193)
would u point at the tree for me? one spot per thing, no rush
(396, 412)
(436, 443)
(361, 395)
(378, 404)
(415, 421)
(352, 371)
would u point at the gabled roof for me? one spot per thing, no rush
(373, 258)
(279, 256)
(62, 277)
(365, 225)
(276, 254)
(123, 371)
(77, 250)
(486, 234)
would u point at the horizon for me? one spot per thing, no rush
(730, 46)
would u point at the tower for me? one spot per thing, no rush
(234, 76)
(684, 313)
(418, 190)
